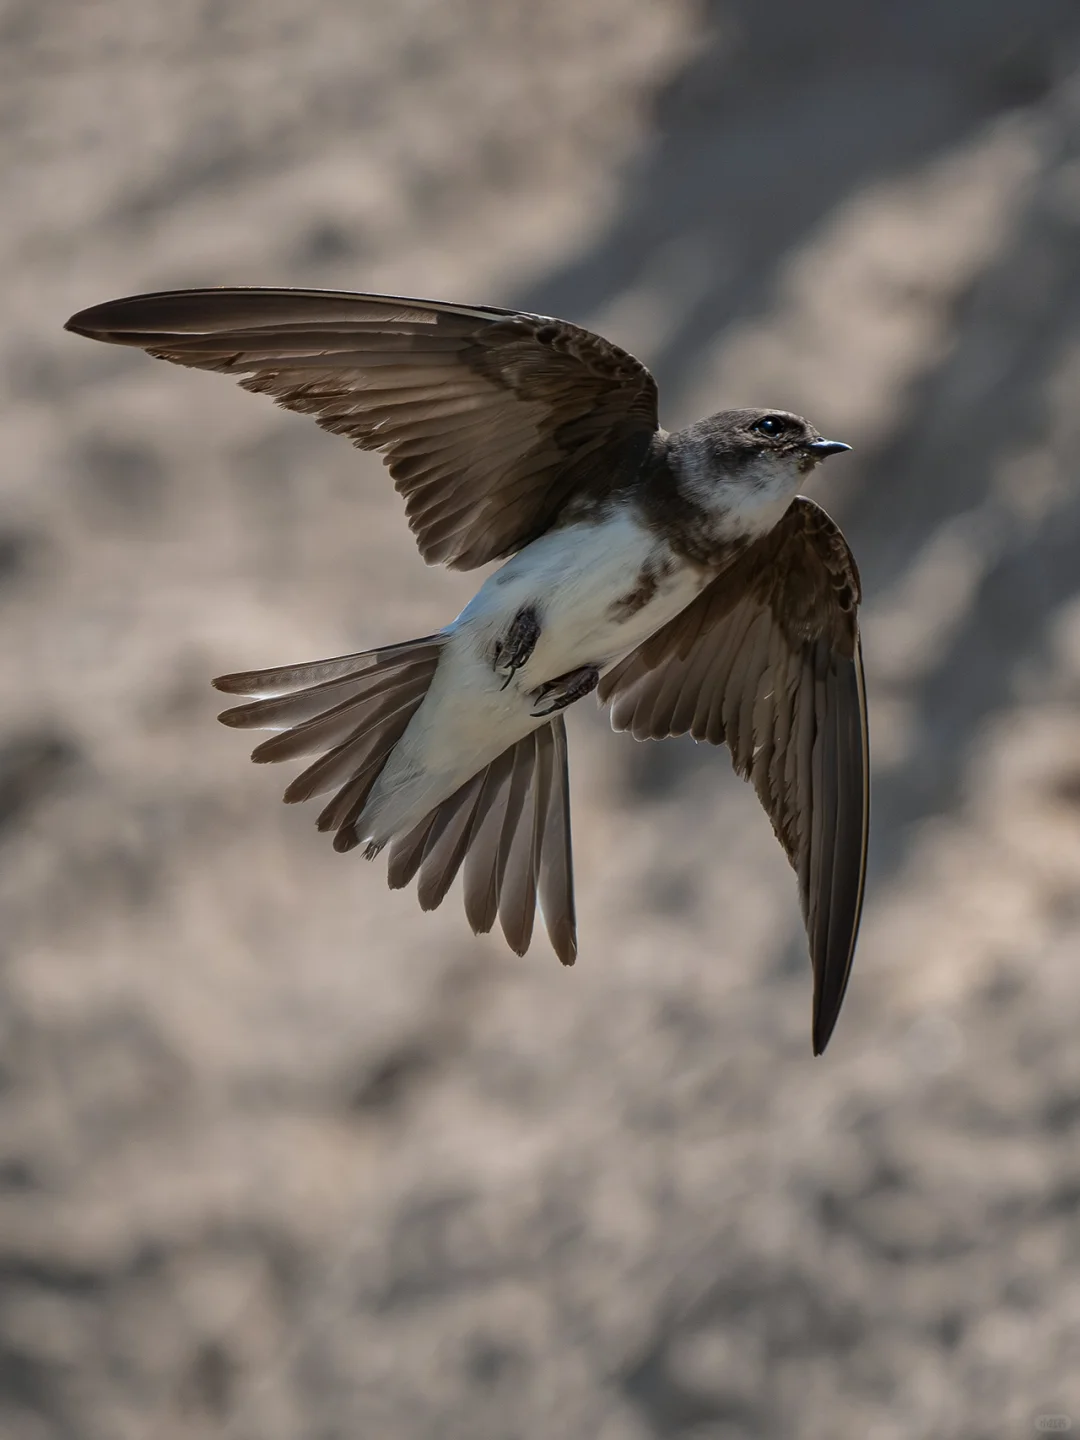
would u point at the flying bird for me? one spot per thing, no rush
(677, 575)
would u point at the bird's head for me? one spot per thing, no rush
(745, 466)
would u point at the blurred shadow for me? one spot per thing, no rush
(784, 112)
(747, 160)
(986, 403)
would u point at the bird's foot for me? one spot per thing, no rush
(513, 650)
(557, 694)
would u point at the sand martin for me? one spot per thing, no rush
(679, 576)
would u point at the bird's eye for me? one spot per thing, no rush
(772, 426)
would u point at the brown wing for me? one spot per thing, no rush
(768, 660)
(489, 420)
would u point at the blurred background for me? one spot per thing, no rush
(282, 1158)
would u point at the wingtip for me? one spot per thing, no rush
(91, 322)
(233, 684)
(132, 320)
(824, 1023)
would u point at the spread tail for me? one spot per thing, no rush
(509, 825)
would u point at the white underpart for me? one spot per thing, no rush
(574, 578)
(747, 503)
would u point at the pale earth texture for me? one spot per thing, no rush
(282, 1158)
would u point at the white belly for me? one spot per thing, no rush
(575, 579)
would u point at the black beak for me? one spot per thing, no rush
(822, 448)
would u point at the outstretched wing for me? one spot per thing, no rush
(768, 660)
(489, 420)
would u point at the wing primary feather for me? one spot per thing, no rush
(849, 871)
(768, 659)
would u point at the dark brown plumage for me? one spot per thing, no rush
(489, 421)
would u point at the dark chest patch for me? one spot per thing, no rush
(646, 583)
(678, 518)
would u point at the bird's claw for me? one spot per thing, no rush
(557, 694)
(515, 648)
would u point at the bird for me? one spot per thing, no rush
(679, 576)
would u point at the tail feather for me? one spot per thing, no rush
(344, 722)
(449, 841)
(407, 852)
(359, 705)
(556, 877)
(517, 819)
(376, 735)
(485, 862)
(517, 901)
(508, 826)
(345, 809)
(287, 679)
(302, 708)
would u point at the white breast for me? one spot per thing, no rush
(576, 579)
(747, 502)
